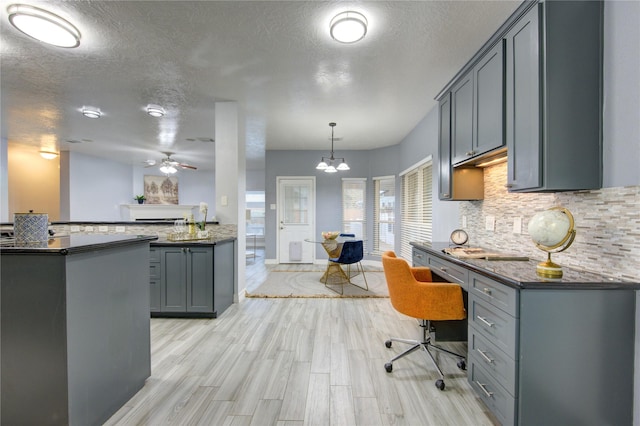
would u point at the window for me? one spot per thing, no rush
(353, 206)
(384, 203)
(255, 212)
(416, 206)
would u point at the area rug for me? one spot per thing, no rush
(283, 284)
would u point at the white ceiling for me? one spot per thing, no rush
(275, 58)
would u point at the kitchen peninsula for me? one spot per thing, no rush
(544, 351)
(75, 328)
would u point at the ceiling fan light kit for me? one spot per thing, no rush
(43, 25)
(348, 27)
(326, 164)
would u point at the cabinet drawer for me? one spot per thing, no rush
(495, 325)
(449, 271)
(497, 399)
(501, 367)
(497, 294)
(419, 258)
(154, 255)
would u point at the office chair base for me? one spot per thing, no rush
(425, 345)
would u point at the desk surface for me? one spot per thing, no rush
(522, 274)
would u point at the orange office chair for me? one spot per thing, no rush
(413, 293)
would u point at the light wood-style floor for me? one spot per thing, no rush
(294, 362)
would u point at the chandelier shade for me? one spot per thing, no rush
(327, 163)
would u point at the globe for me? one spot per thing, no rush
(552, 230)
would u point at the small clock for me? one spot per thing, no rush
(459, 237)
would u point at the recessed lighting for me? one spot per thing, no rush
(48, 155)
(155, 110)
(348, 27)
(91, 112)
(43, 25)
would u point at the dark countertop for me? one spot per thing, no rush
(73, 244)
(210, 242)
(522, 274)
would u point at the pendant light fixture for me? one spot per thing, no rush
(43, 25)
(326, 164)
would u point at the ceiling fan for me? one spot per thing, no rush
(168, 165)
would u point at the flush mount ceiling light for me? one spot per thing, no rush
(155, 110)
(48, 155)
(91, 112)
(43, 25)
(348, 27)
(326, 164)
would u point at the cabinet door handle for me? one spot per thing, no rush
(419, 256)
(485, 356)
(484, 389)
(484, 320)
(445, 195)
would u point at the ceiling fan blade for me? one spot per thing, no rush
(187, 166)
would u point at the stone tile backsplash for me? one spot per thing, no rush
(161, 230)
(607, 224)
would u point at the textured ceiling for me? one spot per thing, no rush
(275, 58)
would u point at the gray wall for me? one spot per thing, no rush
(97, 187)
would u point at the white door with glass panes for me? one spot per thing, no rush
(296, 219)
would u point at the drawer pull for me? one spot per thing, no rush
(443, 269)
(486, 290)
(419, 256)
(484, 389)
(484, 355)
(484, 320)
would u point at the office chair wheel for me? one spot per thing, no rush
(462, 365)
(387, 343)
(440, 384)
(388, 366)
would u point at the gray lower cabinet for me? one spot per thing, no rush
(546, 356)
(192, 280)
(554, 97)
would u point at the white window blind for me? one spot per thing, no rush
(353, 206)
(416, 207)
(384, 194)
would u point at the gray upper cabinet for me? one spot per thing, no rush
(489, 101)
(477, 114)
(462, 120)
(554, 97)
(455, 184)
(534, 90)
(444, 148)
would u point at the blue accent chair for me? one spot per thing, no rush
(352, 253)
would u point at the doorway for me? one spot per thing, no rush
(296, 199)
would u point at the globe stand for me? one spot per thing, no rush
(552, 232)
(549, 269)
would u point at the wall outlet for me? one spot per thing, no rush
(224, 200)
(88, 229)
(517, 225)
(103, 228)
(464, 221)
(272, 206)
(490, 223)
(75, 228)
(120, 228)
